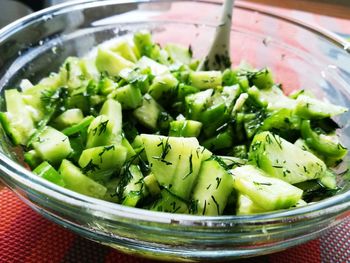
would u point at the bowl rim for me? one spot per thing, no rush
(25, 177)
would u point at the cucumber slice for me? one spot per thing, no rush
(52, 145)
(212, 190)
(46, 171)
(197, 103)
(179, 157)
(134, 189)
(17, 121)
(152, 185)
(126, 50)
(162, 85)
(68, 118)
(148, 113)
(106, 129)
(245, 206)
(311, 108)
(185, 128)
(129, 96)
(170, 203)
(178, 54)
(79, 127)
(111, 62)
(156, 68)
(267, 192)
(75, 180)
(100, 162)
(205, 79)
(284, 160)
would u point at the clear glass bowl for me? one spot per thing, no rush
(298, 54)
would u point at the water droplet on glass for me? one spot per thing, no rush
(54, 50)
(19, 53)
(41, 43)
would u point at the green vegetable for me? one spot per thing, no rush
(135, 123)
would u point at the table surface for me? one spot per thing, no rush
(25, 236)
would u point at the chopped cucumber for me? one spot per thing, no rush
(236, 142)
(75, 180)
(267, 192)
(52, 145)
(212, 190)
(45, 170)
(282, 159)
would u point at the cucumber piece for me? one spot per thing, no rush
(311, 108)
(68, 118)
(325, 145)
(100, 162)
(111, 62)
(180, 157)
(197, 103)
(89, 69)
(32, 158)
(222, 140)
(134, 189)
(267, 192)
(17, 121)
(112, 186)
(211, 192)
(284, 160)
(72, 74)
(106, 85)
(245, 206)
(156, 68)
(229, 77)
(75, 180)
(162, 85)
(183, 90)
(178, 54)
(46, 171)
(125, 49)
(283, 119)
(106, 129)
(152, 185)
(240, 151)
(185, 128)
(205, 79)
(262, 79)
(148, 113)
(79, 127)
(52, 145)
(130, 152)
(170, 203)
(272, 98)
(129, 96)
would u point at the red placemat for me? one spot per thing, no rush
(27, 237)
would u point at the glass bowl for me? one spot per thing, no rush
(299, 55)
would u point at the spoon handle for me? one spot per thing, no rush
(218, 57)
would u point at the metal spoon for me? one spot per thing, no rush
(218, 57)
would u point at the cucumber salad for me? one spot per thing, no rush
(137, 124)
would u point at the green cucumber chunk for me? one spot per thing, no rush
(100, 162)
(77, 181)
(267, 192)
(134, 189)
(52, 145)
(17, 121)
(205, 79)
(179, 157)
(311, 108)
(185, 128)
(212, 190)
(68, 118)
(325, 145)
(46, 171)
(284, 160)
(111, 62)
(170, 203)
